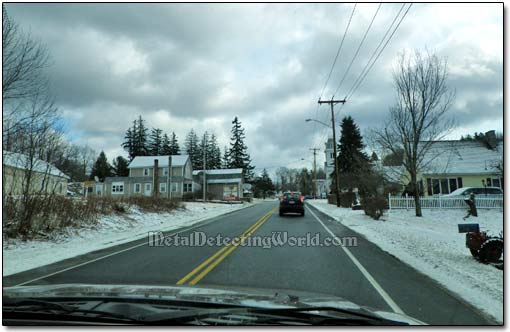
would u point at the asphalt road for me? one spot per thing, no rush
(363, 274)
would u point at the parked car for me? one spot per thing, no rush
(466, 191)
(292, 202)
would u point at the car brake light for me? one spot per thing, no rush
(282, 198)
(301, 198)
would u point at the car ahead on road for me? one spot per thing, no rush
(292, 201)
(479, 191)
(71, 304)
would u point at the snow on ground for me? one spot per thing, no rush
(111, 230)
(432, 245)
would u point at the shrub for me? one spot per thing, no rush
(346, 199)
(375, 206)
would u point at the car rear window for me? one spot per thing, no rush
(292, 196)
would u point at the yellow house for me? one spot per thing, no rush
(43, 178)
(449, 165)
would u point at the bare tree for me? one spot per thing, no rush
(418, 117)
(23, 62)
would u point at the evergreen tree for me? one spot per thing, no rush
(101, 168)
(191, 147)
(225, 161)
(129, 144)
(155, 144)
(213, 153)
(174, 145)
(352, 161)
(203, 146)
(165, 145)
(238, 155)
(374, 157)
(120, 166)
(262, 185)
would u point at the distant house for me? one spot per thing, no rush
(449, 165)
(221, 184)
(45, 178)
(152, 176)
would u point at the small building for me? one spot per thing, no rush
(163, 176)
(221, 184)
(43, 177)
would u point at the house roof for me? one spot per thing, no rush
(462, 157)
(21, 161)
(212, 181)
(148, 161)
(220, 171)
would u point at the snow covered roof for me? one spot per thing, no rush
(237, 180)
(21, 161)
(148, 161)
(220, 171)
(462, 157)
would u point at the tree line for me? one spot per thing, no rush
(140, 141)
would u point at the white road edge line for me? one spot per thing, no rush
(386, 297)
(116, 252)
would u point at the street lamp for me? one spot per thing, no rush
(315, 120)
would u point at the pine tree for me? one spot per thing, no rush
(213, 153)
(141, 147)
(352, 161)
(101, 168)
(191, 148)
(238, 155)
(165, 145)
(120, 166)
(203, 146)
(374, 157)
(155, 144)
(225, 161)
(129, 143)
(174, 145)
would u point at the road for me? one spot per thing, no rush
(363, 274)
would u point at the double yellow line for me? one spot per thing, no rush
(203, 269)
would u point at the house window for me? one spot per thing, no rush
(188, 187)
(117, 188)
(162, 187)
(138, 188)
(444, 186)
(429, 186)
(453, 184)
(145, 172)
(496, 183)
(165, 171)
(60, 187)
(174, 187)
(436, 189)
(459, 182)
(489, 182)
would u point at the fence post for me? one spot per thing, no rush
(440, 202)
(389, 201)
(407, 202)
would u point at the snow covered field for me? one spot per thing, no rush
(110, 230)
(433, 246)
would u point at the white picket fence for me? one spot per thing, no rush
(438, 202)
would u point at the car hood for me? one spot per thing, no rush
(211, 294)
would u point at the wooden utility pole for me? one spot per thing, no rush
(315, 171)
(332, 103)
(204, 148)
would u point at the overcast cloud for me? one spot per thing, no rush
(184, 66)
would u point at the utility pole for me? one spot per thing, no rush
(332, 103)
(315, 171)
(204, 148)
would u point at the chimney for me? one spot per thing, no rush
(155, 179)
(490, 139)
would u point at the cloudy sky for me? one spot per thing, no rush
(184, 66)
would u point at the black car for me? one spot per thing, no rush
(292, 202)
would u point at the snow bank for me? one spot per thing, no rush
(432, 245)
(111, 230)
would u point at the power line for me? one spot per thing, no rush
(338, 51)
(357, 51)
(377, 48)
(379, 54)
